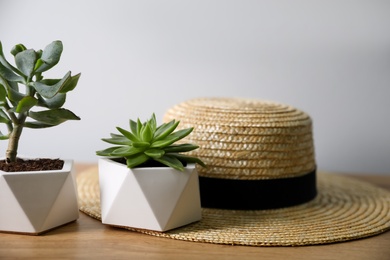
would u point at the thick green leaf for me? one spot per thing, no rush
(53, 116)
(9, 74)
(39, 53)
(49, 91)
(146, 133)
(55, 102)
(70, 84)
(117, 135)
(153, 123)
(25, 61)
(117, 140)
(25, 104)
(172, 138)
(18, 48)
(180, 148)
(124, 151)
(3, 93)
(155, 153)
(165, 129)
(3, 137)
(4, 117)
(133, 126)
(141, 145)
(129, 135)
(4, 62)
(12, 89)
(38, 64)
(189, 159)
(171, 161)
(107, 152)
(49, 82)
(36, 125)
(136, 160)
(139, 127)
(51, 55)
(15, 95)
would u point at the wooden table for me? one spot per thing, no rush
(87, 238)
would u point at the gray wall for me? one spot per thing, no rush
(328, 58)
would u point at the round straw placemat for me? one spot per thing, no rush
(344, 209)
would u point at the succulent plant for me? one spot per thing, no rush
(49, 95)
(146, 142)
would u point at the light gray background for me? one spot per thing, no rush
(328, 58)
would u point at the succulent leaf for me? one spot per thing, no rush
(25, 61)
(53, 116)
(55, 102)
(189, 159)
(51, 56)
(3, 117)
(170, 139)
(165, 130)
(36, 125)
(139, 127)
(108, 151)
(9, 75)
(117, 140)
(136, 160)
(49, 91)
(146, 133)
(133, 126)
(3, 93)
(155, 153)
(153, 123)
(18, 48)
(14, 95)
(171, 161)
(141, 145)
(128, 135)
(70, 84)
(180, 148)
(124, 151)
(3, 136)
(25, 104)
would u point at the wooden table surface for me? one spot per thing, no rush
(87, 238)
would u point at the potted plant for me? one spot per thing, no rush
(146, 182)
(36, 194)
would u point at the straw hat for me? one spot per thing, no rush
(261, 187)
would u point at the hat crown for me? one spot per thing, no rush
(247, 138)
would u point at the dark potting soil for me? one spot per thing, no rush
(24, 165)
(150, 163)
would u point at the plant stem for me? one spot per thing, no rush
(14, 138)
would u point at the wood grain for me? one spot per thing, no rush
(88, 238)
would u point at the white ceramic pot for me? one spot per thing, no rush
(37, 201)
(158, 198)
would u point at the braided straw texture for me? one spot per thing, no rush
(247, 139)
(345, 209)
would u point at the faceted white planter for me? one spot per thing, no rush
(156, 199)
(37, 201)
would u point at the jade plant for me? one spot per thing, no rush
(148, 144)
(27, 99)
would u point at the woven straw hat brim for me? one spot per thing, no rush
(344, 209)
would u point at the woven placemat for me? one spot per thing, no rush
(345, 209)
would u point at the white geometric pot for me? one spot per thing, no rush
(37, 201)
(156, 198)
